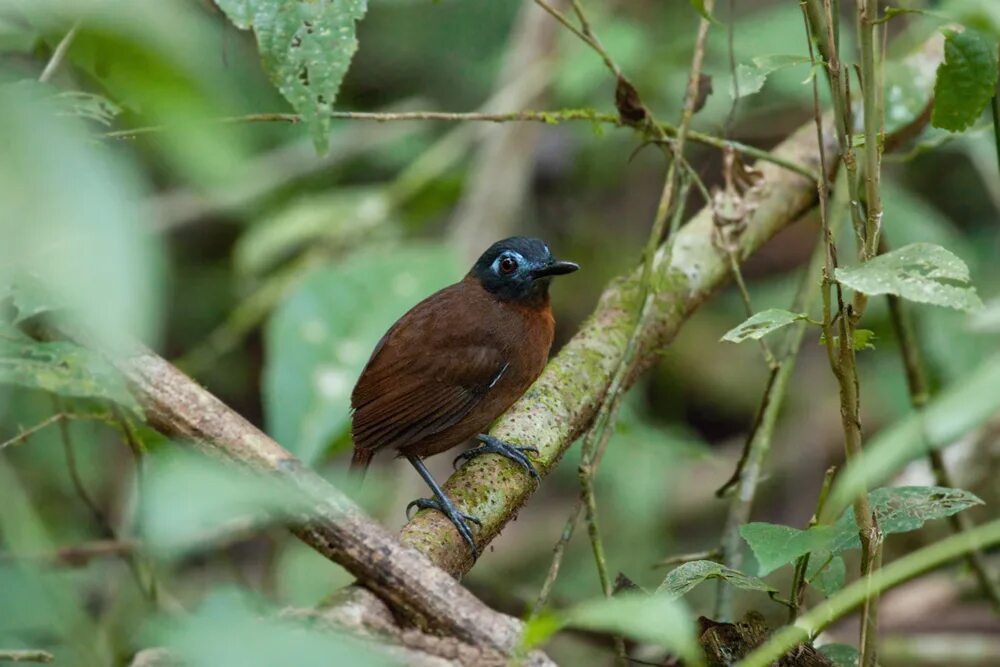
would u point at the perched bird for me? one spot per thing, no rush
(455, 362)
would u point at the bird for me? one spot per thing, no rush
(454, 363)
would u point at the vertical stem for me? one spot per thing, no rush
(919, 387)
(872, 96)
(802, 564)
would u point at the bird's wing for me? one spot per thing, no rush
(423, 378)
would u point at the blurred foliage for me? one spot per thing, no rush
(132, 206)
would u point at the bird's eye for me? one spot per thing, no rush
(507, 265)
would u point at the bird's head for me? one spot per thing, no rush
(519, 269)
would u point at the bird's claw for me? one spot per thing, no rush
(491, 445)
(458, 518)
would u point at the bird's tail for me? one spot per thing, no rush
(360, 461)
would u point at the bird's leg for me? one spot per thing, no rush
(443, 504)
(491, 445)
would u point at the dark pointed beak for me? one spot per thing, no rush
(555, 269)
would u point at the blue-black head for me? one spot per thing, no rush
(519, 269)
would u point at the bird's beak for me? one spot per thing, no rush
(556, 268)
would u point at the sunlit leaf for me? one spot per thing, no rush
(966, 80)
(919, 272)
(306, 48)
(774, 545)
(760, 324)
(684, 578)
(318, 341)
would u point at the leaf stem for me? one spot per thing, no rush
(59, 54)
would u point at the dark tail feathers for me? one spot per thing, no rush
(360, 461)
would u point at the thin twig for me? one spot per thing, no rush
(26, 434)
(798, 578)
(547, 117)
(680, 559)
(558, 552)
(26, 656)
(995, 106)
(78, 555)
(59, 54)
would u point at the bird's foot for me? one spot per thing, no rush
(460, 519)
(491, 445)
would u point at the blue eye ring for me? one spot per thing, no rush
(507, 265)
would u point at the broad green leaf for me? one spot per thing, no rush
(217, 500)
(319, 339)
(69, 225)
(961, 407)
(750, 78)
(65, 369)
(657, 619)
(900, 509)
(306, 48)
(231, 629)
(775, 545)
(682, 579)
(919, 272)
(539, 628)
(826, 572)
(842, 655)
(966, 80)
(760, 324)
(336, 219)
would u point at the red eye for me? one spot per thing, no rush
(507, 265)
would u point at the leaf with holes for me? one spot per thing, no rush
(306, 48)
(61, 368)
(775, 545)
(684, 578)
(921, 272)
(900, 509)
(966, 80)
(760, 324)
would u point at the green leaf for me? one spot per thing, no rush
(920, 272)
(319, 339)
(961, 407)
(61, 368)
(682, 579)
(861, 339)
(760, 324)
(826, 572)
(306, 48)
(657, 619)
(538, 629)
(900, 509)
(966, 80)
(775, 545)
(750, 79)
(842, 655)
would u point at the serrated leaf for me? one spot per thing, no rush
(306, 48)
(319, 339)
(657, 619)
(921, 272)
(760, 324)
(684, 578)
(900, 509)
(842, 655)
(65, 369)
(775, 545)
(966, 80)
(826, 572)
